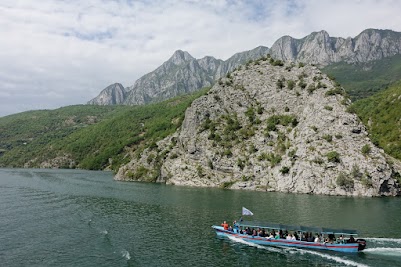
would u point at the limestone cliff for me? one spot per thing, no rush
(319, 48)
(270, 126)
(180, 74)
(113, 94)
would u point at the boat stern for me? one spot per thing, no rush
(361, 244)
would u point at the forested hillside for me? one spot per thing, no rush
(86, 136)
(365, 79)
(381, 114)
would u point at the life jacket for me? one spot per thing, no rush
(225, 225)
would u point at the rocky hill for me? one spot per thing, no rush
(321, 49)
(270, 126)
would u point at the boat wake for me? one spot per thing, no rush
(125, 254)
(334, 258)
(239, 240)
(104, 232)
(300, 251)
(384, 251)
(383, 240)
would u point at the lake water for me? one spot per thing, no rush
(83, 218)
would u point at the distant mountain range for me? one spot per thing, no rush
(182, 73)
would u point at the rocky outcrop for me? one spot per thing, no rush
(273, 127)
(321, 49)
(113, 94)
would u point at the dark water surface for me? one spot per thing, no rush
(82, 218)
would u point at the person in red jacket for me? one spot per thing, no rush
(225, 225)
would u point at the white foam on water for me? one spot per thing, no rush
(384, 251)
(125, 254)
(300, 251)
(382, 240)
(104, 232)
(335, 258)
(240, 240)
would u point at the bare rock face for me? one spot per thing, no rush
(113, 94)
(321, 49)
(180, 74)
(272, 128)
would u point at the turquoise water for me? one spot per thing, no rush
(83, 218)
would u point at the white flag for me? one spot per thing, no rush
(245, 211)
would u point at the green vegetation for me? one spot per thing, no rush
(366, 149)
(285, 170)
(364, 79)
(280, 83)
(381, 114)
(276, 62)
(328, 137)
(226, 185)
(345, 182)
(93, 137)
(290, 84)
(333, 156)
(283, 120)
(302, 83)
(311, 88)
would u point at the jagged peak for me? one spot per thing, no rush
(117, 85)
(207, 58)
(179, 57)
(239, 54)
(114, 86)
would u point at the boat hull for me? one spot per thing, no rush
(347, 247)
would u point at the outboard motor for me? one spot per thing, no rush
(362, 244)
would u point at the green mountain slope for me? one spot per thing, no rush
(88, 137)
(381, 113)
(365, 79)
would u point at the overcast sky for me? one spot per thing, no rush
(55, 53)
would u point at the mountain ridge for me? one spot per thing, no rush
(182, 73)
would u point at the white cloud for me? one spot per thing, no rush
(73, 49)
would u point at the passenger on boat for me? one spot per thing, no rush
(351, 239)
(277, 236)
(225, 225)
(340, 239)
(310, 238)
(303, 237)
(317, 238)
(254, 233)
(262, 233)
(235, 227)
(296, 237)
(271, 236)
(248, 231)
(289, 237)
(293, 237)
(281, 234)
(230, 229)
